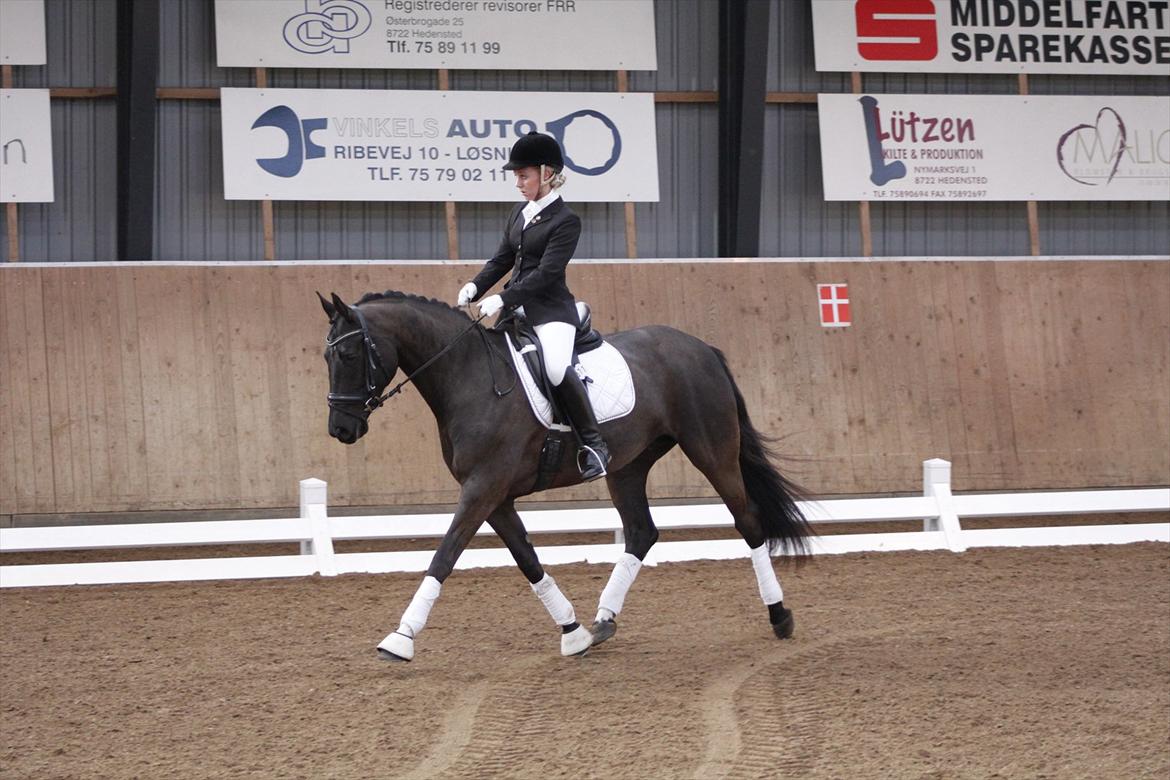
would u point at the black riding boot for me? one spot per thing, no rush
(573, 399)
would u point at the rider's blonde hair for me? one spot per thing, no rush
(555, 181)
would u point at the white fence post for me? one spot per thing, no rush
(936, 483)
(313, 509)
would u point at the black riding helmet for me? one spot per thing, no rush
(535, 149)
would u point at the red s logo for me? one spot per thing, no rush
(907, 38)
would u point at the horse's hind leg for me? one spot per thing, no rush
(575, 639)
(627, 487)
(719, 462)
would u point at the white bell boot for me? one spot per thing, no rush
(576, 641)
(398, 646)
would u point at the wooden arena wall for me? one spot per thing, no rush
(160, 387)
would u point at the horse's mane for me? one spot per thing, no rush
(395, 295)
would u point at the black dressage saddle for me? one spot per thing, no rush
(528, 345)
(560, 440)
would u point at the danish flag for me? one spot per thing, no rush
(834, 302)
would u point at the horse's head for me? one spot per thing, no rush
(360, 367)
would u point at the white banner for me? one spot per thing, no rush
(994, 147)
(1096, 37)
(318, 144)
(22, 32)
(483, 34)
(26, 146)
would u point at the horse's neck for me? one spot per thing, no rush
(419, 332)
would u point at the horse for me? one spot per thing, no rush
(492, 443)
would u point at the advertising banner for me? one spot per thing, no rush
(1096, 37)
(26, 146)
(318, 144)
(994, 147)
(22, 32)
(482, 34)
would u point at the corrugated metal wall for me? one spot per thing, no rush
(80, 224)
(804, 224)
(194, 222)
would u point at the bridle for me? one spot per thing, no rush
(375, 369)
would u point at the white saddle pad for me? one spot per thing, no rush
(611, 390)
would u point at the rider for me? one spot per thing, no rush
(539, 240)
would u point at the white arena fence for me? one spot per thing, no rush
(938, 509)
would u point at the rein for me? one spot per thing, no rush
(374, 366)
(488, 347)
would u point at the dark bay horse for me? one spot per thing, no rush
(686, 396)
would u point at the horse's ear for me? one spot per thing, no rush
(327, 306)
(342, 308)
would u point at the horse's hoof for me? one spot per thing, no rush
(783, 623)
(602, 630)
(388, 656)
(576, 642)
(396, 647)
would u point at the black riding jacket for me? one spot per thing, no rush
(537, 256)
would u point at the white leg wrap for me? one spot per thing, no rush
(400, 643)
(625, 571)
(554, 601)
(770, 590)
(415, 616)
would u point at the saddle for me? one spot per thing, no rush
(560, 441)
(528, 345)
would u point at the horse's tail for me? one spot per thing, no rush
(775, 496)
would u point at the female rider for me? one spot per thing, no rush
(539, 240)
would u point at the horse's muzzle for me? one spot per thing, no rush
(346, 434)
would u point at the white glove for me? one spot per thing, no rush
(467, 293)
(491, 305)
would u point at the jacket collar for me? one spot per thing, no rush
(546, 207)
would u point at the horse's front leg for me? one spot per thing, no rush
(474, 507)
(627, 487)
(575, 638)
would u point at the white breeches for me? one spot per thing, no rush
(556, 343)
